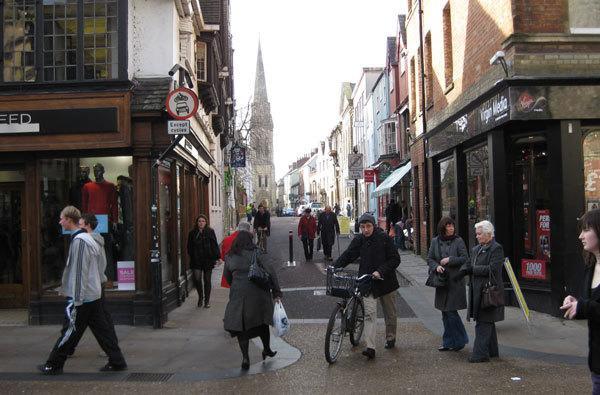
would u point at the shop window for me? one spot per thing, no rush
(591, 168)
(100, 185)
(478, 191)
(165, 218)
(448, 188)
(77, 40)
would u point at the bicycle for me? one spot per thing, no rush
(348, 316)
(261, 242)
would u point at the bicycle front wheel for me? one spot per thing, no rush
(357, 320)
(335, 334)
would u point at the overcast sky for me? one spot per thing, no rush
(309, 48)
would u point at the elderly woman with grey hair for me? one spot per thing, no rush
(486, 263)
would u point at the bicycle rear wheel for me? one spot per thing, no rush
(357, 320)
(335, 334)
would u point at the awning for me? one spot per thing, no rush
(391, 180)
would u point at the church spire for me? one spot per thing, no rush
(260, 84)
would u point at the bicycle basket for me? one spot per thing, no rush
(340, 283)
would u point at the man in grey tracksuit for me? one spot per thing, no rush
(81, 284)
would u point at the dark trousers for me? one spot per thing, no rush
(261, 331)
(88, 314)
(486, 340)
(327, 249)
(203, 276)
(455, 335)
(308, 247)
(595, 384)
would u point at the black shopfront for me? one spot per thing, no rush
(527, 158)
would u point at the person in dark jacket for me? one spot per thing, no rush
(307, 228)
(392, 215)
(203, 249)
(587, 306)
(447, 254)
(328, 227)
(485, 265)
(249, 311)
(262, 224)
(378, 257)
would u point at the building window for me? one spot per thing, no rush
(402, 62)
(260, 181)
(448, 66)
(448, 188)
(428, 71)
(201, 61)
(78, 40)
(584, 17)
(387, 139)
(100, 185)
(591, 168)
(478, 190)
(266, 182)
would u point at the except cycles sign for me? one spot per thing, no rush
(182, 103)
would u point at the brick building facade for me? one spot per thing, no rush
(511, 132)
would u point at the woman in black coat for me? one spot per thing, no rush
(587, 306)
(447, 254)
(486, 263)
(328, 227)
(203, 249)
(250, 309)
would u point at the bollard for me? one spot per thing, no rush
(291, 261)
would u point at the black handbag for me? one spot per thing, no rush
(257, 273)
(436, 280)
(491, 294)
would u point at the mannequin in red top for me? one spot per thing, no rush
(307, 227)
(100, 197)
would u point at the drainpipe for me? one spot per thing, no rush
(424, 121)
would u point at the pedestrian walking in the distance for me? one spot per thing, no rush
(203, 249)
(328, 227)
(307, 228)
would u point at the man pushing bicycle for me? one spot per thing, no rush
(378, 257)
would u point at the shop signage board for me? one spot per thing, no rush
(238, 156)
(68, 121)
(355, 166)
(350, 183)
(126, 275)
(179, 127)
(182, 103)
(534, 269)
(369, 175)
(517, 289)
(542, 223)
(344, 223)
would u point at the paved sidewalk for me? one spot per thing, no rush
(192, 346)
(546, 338)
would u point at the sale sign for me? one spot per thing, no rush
(533, 268)
(126, 275)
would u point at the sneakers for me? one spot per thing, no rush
(109, 367)
(207, 305)
(369, 353)
(390, 344)
(49, 370)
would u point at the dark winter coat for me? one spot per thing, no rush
(203, 248)
(328, 227)
(453, 296)
(307, 227)
(262, 220)
(249, 305)
(376, 253)
(588, 307)
(482, 259)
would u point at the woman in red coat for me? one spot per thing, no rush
(307, 228)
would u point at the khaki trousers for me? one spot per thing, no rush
(388, 303)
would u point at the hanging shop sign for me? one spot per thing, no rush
(238, 156)
(68, 121)
(182, 103)
(369, 175)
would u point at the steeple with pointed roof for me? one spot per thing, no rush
(261, 124)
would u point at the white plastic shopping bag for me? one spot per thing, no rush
(280, 320)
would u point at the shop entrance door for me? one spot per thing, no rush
(12, 294)
(531, 210)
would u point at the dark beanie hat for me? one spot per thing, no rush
(367, 217)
